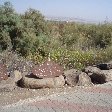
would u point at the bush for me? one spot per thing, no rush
(73, 45)
(75, 59)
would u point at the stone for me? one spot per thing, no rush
(48, 69)
(84, 80)
(107, 74)
(35, 83)
(17, 76)
(92, 69)
(3, 72)
(96, 75)
(71, 77)
(105, 66)
(99, 76)
(7, 85)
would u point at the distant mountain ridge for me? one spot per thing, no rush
(69, 19)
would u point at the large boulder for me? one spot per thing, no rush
(71, 77)
(84, 80)
(7, 85)
(48, 69)
(35, 83)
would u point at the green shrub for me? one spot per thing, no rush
(73, 45)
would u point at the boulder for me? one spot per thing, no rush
(84, 80)
(91, 69)
(107, 74)
(48, 69)
(7, 85)
(71, 77)
(35, 83)
(96, 75)
(99, 76)
(17, 76)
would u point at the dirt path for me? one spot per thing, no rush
(77, 99)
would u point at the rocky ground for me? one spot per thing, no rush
(66, 99)
(88, 90)
(19, 94)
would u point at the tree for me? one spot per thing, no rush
(6, 15)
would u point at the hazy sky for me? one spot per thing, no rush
(96, 10)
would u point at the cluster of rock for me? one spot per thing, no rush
(51, 75)
(100, 74)
(91, 75)
(74, 77)
(48, 75)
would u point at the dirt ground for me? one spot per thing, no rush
(19, 94)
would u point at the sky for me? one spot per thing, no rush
(93, 10)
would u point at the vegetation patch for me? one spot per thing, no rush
(71, 44)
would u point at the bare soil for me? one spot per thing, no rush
(18, 94)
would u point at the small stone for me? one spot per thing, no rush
(84, 80)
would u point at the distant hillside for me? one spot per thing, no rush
(69, 19)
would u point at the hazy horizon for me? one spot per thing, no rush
(90, 10)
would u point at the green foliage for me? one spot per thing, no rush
(73, 45)
(20, 31)
(75, 59)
